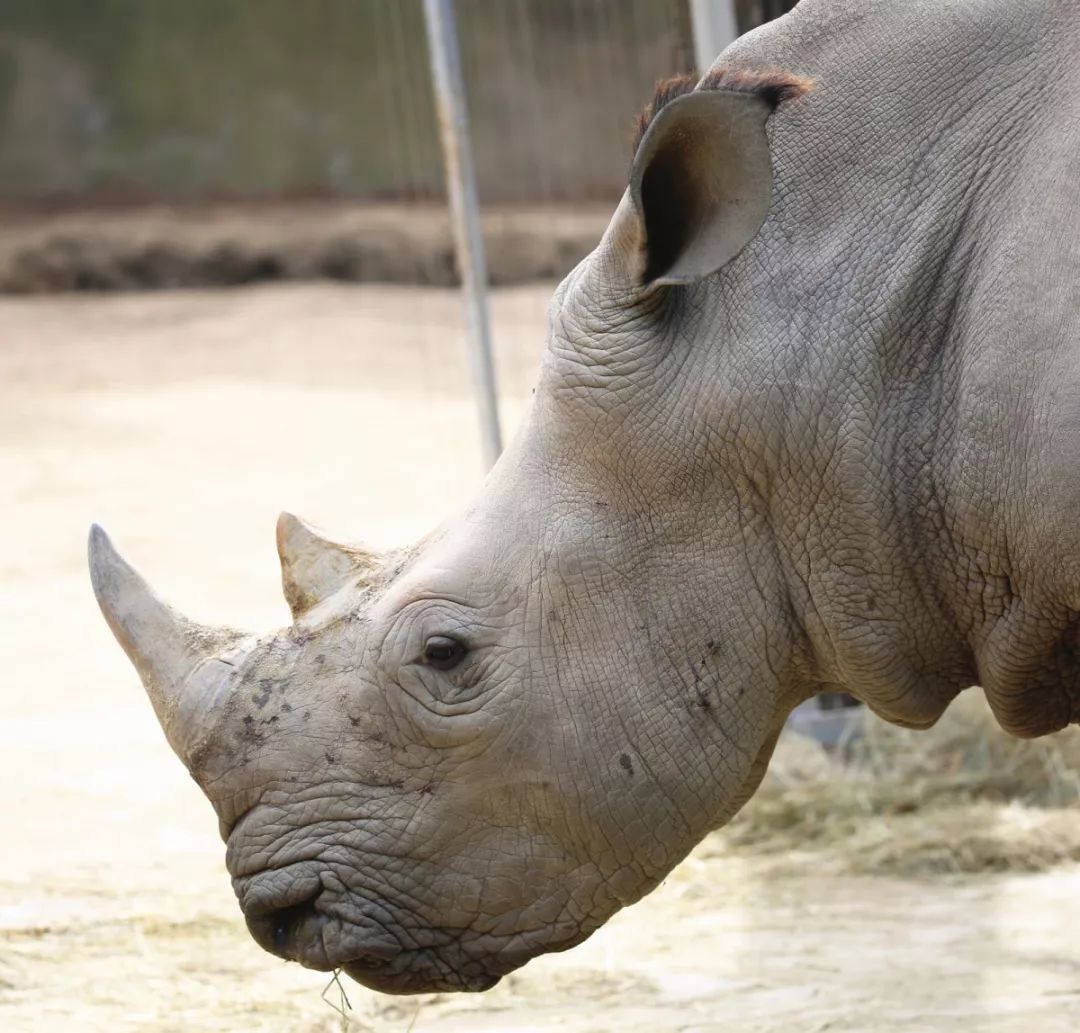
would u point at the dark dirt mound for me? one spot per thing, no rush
(227, 245)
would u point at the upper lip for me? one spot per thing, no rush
(257, 899)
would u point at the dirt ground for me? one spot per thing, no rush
(183, 422)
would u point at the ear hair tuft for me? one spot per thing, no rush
(665, 92)
(772, 85)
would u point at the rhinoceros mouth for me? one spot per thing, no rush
(383, 944)
(301, 926)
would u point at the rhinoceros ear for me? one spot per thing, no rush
(312, 566)
(701, 180)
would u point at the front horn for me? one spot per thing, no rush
(187, 668)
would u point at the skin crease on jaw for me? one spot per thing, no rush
(766, 457)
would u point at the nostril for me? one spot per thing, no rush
(282, 922)
(277, 930)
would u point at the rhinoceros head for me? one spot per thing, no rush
(477, 750)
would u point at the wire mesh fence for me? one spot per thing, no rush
(204, 100)
(234, 142)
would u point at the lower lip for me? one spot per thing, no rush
(485, 983)
(376, 977)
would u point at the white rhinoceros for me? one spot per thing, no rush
(809, 419)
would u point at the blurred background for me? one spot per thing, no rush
(228, 286)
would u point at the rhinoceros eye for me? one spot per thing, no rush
(443, 653)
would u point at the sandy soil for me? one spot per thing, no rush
(184, 422)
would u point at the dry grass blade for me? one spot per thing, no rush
(343, 1007)
(961, 797)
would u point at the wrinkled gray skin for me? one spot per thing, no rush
(846, 458)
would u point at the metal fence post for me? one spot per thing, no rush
(464, 212)
(714, 28)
